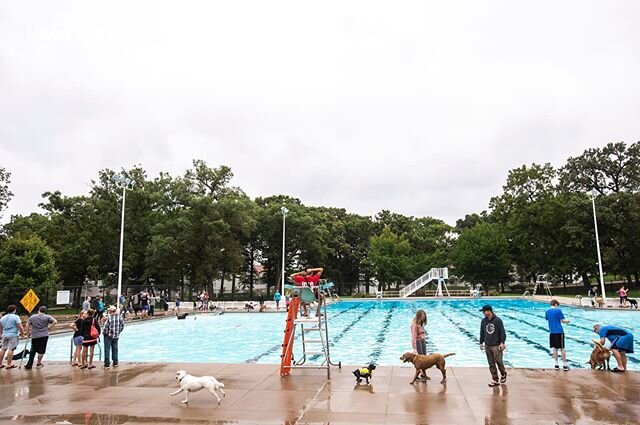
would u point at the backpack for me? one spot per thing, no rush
(94, 331)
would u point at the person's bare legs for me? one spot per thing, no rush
(77, 356)
(564, 357)
(93, 347)
(555, 356)
(9, 358)
(2, 353)
(624, 360)
(84, 356)
(621, 361)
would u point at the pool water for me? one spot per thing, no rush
(361, 332)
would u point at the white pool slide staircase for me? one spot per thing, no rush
(436, 275)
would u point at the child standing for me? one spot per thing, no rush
(418, 340)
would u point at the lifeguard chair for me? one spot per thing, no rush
(314, 333)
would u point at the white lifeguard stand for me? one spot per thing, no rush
(543, 280)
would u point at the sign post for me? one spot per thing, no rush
(29, 301)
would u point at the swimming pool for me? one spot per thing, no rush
(366, 331)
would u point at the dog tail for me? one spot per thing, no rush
(448, 354)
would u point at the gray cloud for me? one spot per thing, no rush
(416, 107)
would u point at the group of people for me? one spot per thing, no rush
(88, 328)
(37, 328)
(493, 340)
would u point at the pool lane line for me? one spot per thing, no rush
(275, 348)
(635, 342)
(346, 329)
(382, 335)
(470, 335)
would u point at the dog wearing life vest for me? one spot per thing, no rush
(365, 373)
(190, 383)
(422, 362)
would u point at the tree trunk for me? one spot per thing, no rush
(628, 275)
(233, 285)
(636, 275)
(222, 283)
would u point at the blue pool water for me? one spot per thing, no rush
(367, 331)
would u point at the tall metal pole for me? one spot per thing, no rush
(284, 226)
(595, 223)
(124, 194)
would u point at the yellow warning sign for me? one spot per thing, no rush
(30, 300)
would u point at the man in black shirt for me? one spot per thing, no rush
(492, 339)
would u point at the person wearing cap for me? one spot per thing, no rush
(113, 326)
(492, 339)
(38, 326)
(621, 343)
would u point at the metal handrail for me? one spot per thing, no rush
(433, 274)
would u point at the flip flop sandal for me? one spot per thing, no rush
(12, 367)
(494, 384)
(616, 370)
(83, 367)
(92, 367)
(2, 366)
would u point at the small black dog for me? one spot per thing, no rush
(182, 316)
(633, 303)
(365, 372)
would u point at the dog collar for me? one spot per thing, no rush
(180, 380)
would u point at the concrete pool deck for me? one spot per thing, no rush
(138, 393)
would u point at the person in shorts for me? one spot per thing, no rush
(555, 318)
(38, 328)
(88, 341)
(621, 343)
(144, 304)
(11, 329)
(77, 338)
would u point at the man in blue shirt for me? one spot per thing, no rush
(556, 334)
(11, 328)
(621, 343)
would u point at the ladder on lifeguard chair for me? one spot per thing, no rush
(314, 334)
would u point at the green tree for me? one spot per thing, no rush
(26, 263)
(5, 193)
(480, 255)
(612, 169)
(389, 256)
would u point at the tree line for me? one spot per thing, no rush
(189, 230)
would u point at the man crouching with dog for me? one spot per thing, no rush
(621, 343)
(492, 339)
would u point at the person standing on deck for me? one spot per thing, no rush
(276, 298)
(111, 330)
(11, 329)
(555, 318)
(492, 339)
(38, 327)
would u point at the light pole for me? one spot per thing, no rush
(284, 211)
(124, 183)
(595, 224)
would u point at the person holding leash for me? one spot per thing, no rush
(11, 328)
(492, 339)
(38, 327)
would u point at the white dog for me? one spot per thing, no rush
(189, 383)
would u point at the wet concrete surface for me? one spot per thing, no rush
(139, 394)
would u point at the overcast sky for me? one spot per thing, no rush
(417, 107)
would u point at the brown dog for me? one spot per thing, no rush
(424, 362)
(599, 356)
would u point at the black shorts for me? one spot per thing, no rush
(556, 340)
(39, 345)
